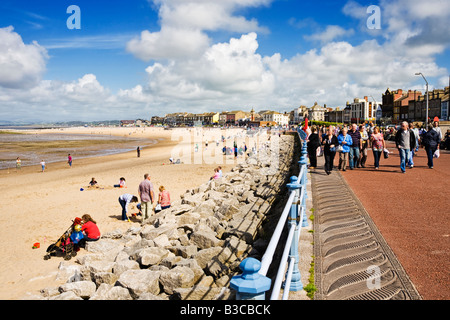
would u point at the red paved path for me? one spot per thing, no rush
(412, 212)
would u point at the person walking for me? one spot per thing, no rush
(313, 144)
(69, 160)
(329, 142)
(437, 129)
(43, 165)
(412, 152)
(147, 196)
(355, 147)
(431, 142)
(345, 141)
(364, 146)
(18, 163)
(138, 150)
(405, 141)
(378, 145)
(124, 200)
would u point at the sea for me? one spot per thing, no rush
(61, 144)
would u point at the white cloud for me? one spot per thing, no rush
(21, 65)
(355, 10)
(224, 69)
(331, 33)
(169, 43)
(184, 25)
(422, 24)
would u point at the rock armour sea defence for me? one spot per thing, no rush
(191, 250)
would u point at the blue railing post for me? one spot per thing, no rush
(250, 285)
(294, 220)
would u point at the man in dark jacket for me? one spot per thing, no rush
(405, 141)
(431, 141)
(355, 147)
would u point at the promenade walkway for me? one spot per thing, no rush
(382, 225)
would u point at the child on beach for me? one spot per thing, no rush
(216, 174)
(121, 184)
(18, 163)
(164, 198)
(43, 165)
(93, 183)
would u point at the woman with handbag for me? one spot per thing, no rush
(378, 146)
(329, 142)
(345, 141)
(313, 144)
(431, 142)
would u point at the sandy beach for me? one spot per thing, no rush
(39, 207)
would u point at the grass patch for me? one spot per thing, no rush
(310, 288)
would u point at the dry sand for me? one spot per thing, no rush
(39, 207)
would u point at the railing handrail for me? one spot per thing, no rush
(253, 283)
(282, 267)
(268, 255)
(270, 250)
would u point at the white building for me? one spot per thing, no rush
(299, 114)
(279, 118)
(362, 110)
(316, 113)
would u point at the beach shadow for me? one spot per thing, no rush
(117, 217)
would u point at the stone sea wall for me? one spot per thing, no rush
(193, 249)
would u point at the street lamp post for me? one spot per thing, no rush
(426, 116)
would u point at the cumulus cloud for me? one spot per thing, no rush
(55, 100)
(169, 43)
(21, 65)
(184, 25)
(421, 24)
(224, 70)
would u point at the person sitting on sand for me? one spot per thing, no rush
(122, 183)
(93, 183)
(216, 174)
(124, 201)
(89, 229)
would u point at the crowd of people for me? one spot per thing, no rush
(353, 142)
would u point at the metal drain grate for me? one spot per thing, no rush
(349, 250)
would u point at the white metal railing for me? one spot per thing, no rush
(252, 284)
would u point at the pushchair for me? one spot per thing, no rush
(64, 246)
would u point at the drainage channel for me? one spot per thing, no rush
(352, 259)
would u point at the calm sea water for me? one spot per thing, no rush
(34, 153)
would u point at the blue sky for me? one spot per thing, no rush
(140, 58)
